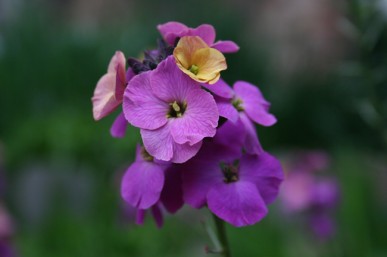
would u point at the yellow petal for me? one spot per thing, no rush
(210, 62)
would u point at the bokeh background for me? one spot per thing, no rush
(321, 63)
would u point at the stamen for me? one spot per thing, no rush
(194, 69)
(237, 103)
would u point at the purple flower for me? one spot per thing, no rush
(6, 232)
(172, 31)
(247, 104)
(304, 191)
(172, 111)
(149, 183)
(236, 187)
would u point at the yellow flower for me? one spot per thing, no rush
(199, 61)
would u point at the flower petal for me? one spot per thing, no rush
(119, 126)
(171, 30)
(157, 215)
(199, 120)
(226, 109)
(255, 105)
(226, 46)
(142, 184)
(231, 135)
(104, 101)
(172, 194)
(265, 171)
(117, 59)
(238, 203)
(160, 144)
(252, 144)
(141, 108)
(205, 32)
(210, 62)
(220, 88)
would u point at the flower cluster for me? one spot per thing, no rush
(306, 192)
(199, 143)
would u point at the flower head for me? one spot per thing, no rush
(172, 111)
(197, 60)
(235, 187)
(173, 31)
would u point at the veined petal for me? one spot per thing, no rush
(186, 48)
(199, 120)
(226, 46)
(239, 203)
(141, 108)
(254, 104)
(142, 184)
(104, 101)
(210, 62)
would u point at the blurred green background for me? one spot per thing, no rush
(322, 64)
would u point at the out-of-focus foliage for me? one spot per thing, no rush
(325, 75)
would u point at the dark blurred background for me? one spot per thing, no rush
(321, 63)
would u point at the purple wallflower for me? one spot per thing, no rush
(236, 187)
(172, 111)
(171, 31)
(149, 183)
(306, 192)
(247, 104)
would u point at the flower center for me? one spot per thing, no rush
(145, 155)
(237, 103)
(194, 69)
(230, 172)
(176, 110)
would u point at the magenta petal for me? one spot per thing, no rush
(160, 144)
(171, 30)
(226, 109)
(231, 135)
(157, 215)
(238, 203)
(220, 88)
(141, 108)
(255, 105)
(142, 184)
(226, 46)
(252, 144)
(169, 83)
(199, 120)
(172, 194)
(206, 32)
(265, 171)
(140, 216)
(104, 101)
(198, 178)
(119, 126)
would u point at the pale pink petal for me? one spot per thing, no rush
(141, 108)
(117, 59)
(238, 203)
(226, 46)
(254, 104)
(119, 126)
(220, 88)
(104, 101)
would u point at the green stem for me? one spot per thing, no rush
(222, 236)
